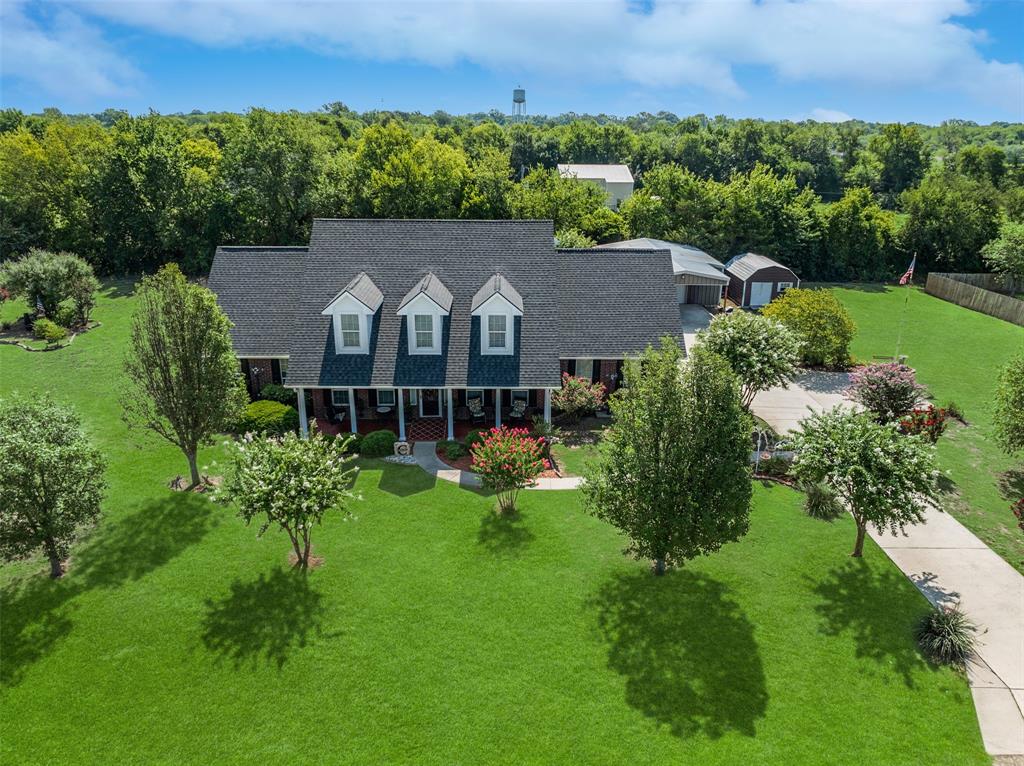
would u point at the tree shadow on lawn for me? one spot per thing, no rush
(1011, 484)
(37, 610)
(404, 480)
(504, 534)
(264, 619)
(687, 652)
(872, 606)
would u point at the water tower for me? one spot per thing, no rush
(518, 104)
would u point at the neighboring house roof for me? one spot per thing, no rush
(615, 174)
(598, 303)
(433, 288)
(686, 259)
(615, 302)
(746, 265)
(258, 288)
(497, 285)
(363, 290)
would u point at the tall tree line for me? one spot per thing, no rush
(836, 202)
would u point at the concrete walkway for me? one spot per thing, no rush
(693, 319)
(949, 565)
(427, 459)
(783, 408)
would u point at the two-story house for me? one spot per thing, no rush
(420, 325)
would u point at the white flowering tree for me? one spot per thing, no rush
(884, 478)
(762, 352)
(290, 483)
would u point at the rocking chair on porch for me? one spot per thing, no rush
(518, 411)
(476, 409)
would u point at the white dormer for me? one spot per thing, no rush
(497, 304)
(424, 308)
(352, 311)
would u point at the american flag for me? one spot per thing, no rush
(908, 275)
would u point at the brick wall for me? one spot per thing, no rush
(259, 374)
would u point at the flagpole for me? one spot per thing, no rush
(906, 302)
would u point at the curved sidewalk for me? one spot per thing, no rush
(426, 457)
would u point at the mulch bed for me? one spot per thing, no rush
(465, 463)
(18, 335)
(208, 484)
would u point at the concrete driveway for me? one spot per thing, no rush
(693, 319)
(784, 408)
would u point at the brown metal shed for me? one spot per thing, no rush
(756, 280)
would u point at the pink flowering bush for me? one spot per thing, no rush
(928, 421)
(888, 390)
(508, 460)
(578, 397)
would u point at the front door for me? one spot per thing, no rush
(430, 403)
(760, 293)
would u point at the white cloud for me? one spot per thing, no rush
(672, 45)
(829, 115)
(62, 54)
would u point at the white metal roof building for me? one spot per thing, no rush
(616, 180)
(699, 277)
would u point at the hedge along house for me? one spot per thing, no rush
(699, 278)
(756, 280)
(402, 324)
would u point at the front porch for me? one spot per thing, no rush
(421, 414)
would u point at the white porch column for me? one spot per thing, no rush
(352, 410)
(401, 415)
(303, 422)
(451, 415)
(497, 408)
(547, 405)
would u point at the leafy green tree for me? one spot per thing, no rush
(51, 479)
(545, 194)
(1009, 406)
(654, 480)
(860, 237)
(184, 383)
(985, 164)
(290, 483)
(902, 156)
(884, 478)
(644, 215)
(603, 225)
(761, 351)
(486, 195)
(1005, 254)
(424, 181)
(50, 279)
(949, 219)
(573, 238)
(820, 321)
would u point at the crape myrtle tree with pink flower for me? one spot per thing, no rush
(509, 460)
(889, 391)
(578, 397)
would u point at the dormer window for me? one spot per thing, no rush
(352, 312)
(497, 304)
(425, 307)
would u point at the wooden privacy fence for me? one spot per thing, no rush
(965, 290)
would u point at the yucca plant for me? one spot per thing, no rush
(947, 635)
(820, 502)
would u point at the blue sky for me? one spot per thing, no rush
(920, 60)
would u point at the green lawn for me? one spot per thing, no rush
(435, 633)
(957, 354)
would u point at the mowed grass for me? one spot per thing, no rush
(435, 633)
(957, 354)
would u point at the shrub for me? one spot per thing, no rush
(266, 417)
(928, 421)
(49, 331)
(378, 444)
(578, 397)
(821, 321)
(953, 410)
(820, 502)
(355, 444)
(452, 449)
(947, 636)
(509, 460)
(275, 393)
(1009, 406)
(49, 278)
(475, 437)
(887, 390)
(773, 465)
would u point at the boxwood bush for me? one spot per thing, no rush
(275, 393)
(51, 332)
(378, 444)
(452, 449)
(267, 417)
(474, 437)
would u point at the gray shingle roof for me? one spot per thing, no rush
(363, 290)
(497, 285)
(746, 265)
(615, 302)
(433, 288)
(258, 288)
(599, 303)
